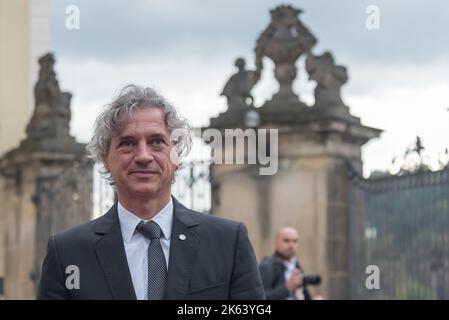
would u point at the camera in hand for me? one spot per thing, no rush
(311, 279)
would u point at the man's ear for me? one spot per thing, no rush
(174, 157)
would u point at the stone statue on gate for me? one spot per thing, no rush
(329, 78)
(284, 41)
(238, 88)
(51, 117)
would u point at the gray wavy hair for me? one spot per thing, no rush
(112, 121)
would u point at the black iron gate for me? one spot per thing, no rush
(192, 185)
(406, 235)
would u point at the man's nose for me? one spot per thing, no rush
(143, 154)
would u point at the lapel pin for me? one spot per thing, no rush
(182, 237)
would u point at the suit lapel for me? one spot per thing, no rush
(111, 254)
(183, 250)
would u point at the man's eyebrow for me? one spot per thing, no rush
(125, 137)
(158, 135)
(151, 136)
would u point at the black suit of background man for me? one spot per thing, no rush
(273, 269)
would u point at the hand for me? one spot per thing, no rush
(295, 280)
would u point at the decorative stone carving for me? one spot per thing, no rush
(329, 78)
(238, 88)
(284, 41)
(51, 116)
(49, 126)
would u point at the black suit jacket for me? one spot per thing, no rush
(215, 261)
(272, 272)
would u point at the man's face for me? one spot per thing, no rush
(139, 157)
(286, 243)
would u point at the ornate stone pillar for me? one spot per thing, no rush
(46, 185)
(309, 189)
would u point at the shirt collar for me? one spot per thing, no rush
(291, 263)
(129, 221)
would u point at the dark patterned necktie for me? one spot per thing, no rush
(157, 269)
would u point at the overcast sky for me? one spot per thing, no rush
(399, 74)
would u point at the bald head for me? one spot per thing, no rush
(287, 232)
(286, 242)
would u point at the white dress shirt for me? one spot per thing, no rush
(136, 245)
(290, 267)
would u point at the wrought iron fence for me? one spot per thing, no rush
(192, 185)
(406, 235)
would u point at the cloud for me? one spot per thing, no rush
(404, 113)
(116, 30)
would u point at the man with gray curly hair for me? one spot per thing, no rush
(148, 245)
